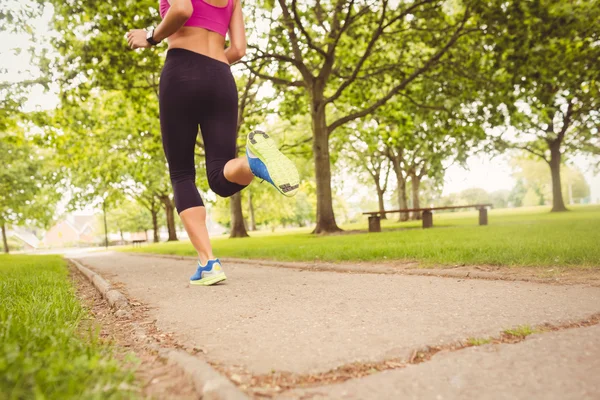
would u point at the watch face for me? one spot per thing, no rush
(149, 37)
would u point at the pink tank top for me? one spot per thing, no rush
(206, 15)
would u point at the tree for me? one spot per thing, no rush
(94, 60)
(128, 217)
(576, 187)
(473, 196)
(333, 54)
(545, 55)
(536, 186)
(517, 194)
(365, 152)
(422, 141)
(499, 198)
(27, 181)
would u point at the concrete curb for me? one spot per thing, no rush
(209, 384)
(372, 269)
(115, 298)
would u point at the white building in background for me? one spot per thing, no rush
(74, 230)
(25, 238)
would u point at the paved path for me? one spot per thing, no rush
(270, 319)
(557, 365)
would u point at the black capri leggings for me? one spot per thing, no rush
(196, 90)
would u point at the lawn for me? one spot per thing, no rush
(44, 350)
(514, 237)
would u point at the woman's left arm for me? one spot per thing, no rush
(179, 12)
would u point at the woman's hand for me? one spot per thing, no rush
(136, 38)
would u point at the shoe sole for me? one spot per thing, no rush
(211, 280)
(282, 170)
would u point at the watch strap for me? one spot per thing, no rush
(150, 37)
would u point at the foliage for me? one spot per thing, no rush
(473, 196)
(27, 193)
(45, 352)
(128, 216)
(500, 198)
(537, 185)
(545, 55)
(335, 63)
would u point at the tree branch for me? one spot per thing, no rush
(280, 57)
(288, 21)
(534, 152)
(376, 34)
(425, 106)
(309, 41)
(428, 64)
(279, 81)
(289, 146)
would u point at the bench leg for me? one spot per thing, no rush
(483, 220)
(374, 223)
(427, 219)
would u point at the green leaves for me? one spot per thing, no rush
(27, 179)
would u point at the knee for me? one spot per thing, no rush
(221, 186)
(182, 175)
(220, 189)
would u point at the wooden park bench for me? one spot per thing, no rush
(138, 242)
(427, 215)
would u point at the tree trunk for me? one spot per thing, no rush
(380, 193)
(251, 211)
(401, 183)
(105, 225)
(155, 225)
(325, 216)
(558, 203)
(415, 183)
(238, 229)
(4, 239)
(170, 212)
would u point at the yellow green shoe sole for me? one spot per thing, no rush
(209, 280)
(282, 170)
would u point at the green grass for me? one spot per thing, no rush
(44, 351)
(478, 341)
(517, 237)
(521, 331)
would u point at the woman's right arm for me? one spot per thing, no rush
(237, 35)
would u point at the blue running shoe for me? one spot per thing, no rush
(268, 163)
(208, 275)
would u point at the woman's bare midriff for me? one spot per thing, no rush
(199, 40)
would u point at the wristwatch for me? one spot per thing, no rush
(150, 37)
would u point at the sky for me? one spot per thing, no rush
(486, 172)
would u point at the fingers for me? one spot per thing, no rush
(131, 40)
(136, 40)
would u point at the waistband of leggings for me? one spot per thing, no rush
(188, 55)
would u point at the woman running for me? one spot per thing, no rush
(197, 89)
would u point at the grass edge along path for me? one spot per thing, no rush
(45, 351)
(516, 237)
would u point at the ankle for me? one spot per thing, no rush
(205, 258)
